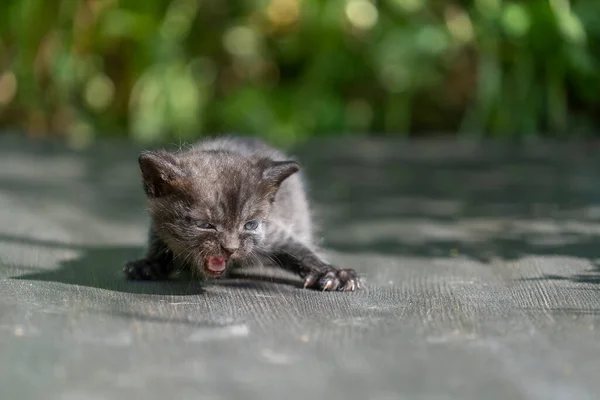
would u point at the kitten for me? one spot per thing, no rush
(225, 203)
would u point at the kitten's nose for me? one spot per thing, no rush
(229, 250)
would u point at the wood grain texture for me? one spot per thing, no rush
(481, 265)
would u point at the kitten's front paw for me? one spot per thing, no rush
(144, 270)
(334, 279)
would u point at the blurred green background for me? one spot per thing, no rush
(158, 70)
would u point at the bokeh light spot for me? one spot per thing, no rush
(283, 12)
(8, 87)
(362, 14)
(432, 40)
(572, 28)
(516, 20)
(179, 18)
(241, 41)
(459, 24)
(99, 92)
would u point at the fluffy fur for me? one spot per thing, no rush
(230, 199)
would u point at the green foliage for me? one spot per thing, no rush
(289, 69)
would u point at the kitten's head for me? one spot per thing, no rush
(211, 207)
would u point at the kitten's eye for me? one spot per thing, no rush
(251, 225)
(206, 225)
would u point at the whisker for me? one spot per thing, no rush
(186, 253)
(268, 255)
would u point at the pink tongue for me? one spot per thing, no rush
(216, 264)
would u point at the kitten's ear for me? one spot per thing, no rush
(275, 172)
(160, 172)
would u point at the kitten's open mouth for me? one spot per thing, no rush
(215, 266)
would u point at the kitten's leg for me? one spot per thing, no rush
(156, 265)
(317, 273)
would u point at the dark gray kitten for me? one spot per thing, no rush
(230, 202)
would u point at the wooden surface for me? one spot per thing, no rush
(481, 267)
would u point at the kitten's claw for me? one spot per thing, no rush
(334, 279)
(144, 270)
(310, 281)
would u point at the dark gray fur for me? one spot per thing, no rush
(227, 182)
